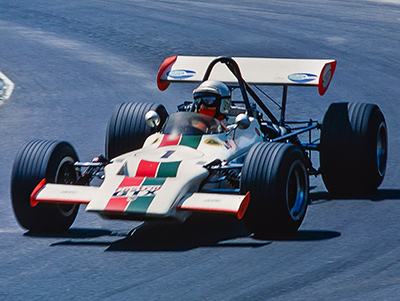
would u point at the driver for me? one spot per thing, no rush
(212, 98)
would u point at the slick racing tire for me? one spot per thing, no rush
(38, 160)
(127, 129)
(277, 178)
(353, 149)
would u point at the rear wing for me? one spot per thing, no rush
(254, 71)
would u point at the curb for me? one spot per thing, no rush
(6, 88)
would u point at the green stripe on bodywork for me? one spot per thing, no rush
(168, 169)
(140, 205)
(153, 181)
(191, 141)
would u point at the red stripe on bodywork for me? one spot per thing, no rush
(118, 204)
(147, 169)
(170, 140)
(129, 181)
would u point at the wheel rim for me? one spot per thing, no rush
(297, 190)
(66, 174)
(381, 149)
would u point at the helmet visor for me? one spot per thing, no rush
(207, 99)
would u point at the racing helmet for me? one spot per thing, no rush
(212, 98)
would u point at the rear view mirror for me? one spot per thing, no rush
(152, 119)
(242, 121)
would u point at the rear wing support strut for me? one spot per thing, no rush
(283, 106)
(244, 87)
(234, 68)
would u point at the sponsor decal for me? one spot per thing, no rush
(134, 195)
(230, 144)
(302, 77)
(211, 201)
(167, 154)
(227, 144)
(68, 192)
(131, 192)
(181, 74)
(212, 142)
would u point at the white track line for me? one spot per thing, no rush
(6, 89)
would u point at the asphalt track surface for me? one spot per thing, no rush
(73, 61)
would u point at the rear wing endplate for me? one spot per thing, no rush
(255, 71)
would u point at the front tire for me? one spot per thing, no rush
(127, 129)
(39, 159)
(277, 178)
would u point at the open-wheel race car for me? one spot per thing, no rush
(215, 154)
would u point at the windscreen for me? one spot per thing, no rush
(189, 123)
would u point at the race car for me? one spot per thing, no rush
(215, 154)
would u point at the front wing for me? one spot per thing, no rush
(77, 194)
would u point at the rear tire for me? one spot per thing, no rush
(276, 176)
(353, 150)
(127, 129)
(38, 160)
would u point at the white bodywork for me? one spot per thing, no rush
(161, 180)
(257, 71)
